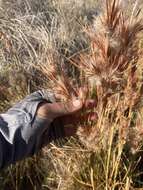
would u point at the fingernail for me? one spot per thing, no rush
(77, 103)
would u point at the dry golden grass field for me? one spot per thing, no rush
(64, 45)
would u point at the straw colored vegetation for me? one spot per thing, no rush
(64, 45)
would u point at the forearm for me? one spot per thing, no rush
(24, 130)
(18, 136)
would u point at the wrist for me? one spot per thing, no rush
(43, 111)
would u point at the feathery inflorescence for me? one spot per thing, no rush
(111, 71)
(112, 67)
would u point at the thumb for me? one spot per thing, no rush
(58, 109)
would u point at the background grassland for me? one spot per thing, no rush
(30, 30)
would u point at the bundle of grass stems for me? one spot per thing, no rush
(111, 70)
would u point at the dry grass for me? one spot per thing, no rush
(64, 45)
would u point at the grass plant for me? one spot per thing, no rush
(64, 45)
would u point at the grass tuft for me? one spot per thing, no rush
(64, 45)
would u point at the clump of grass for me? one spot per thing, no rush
(111, 70)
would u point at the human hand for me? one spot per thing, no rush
(69, 113)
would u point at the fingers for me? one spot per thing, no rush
(58, 109)
(89, 104)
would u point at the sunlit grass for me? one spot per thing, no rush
(64, 45)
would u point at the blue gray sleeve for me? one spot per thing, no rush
(19, 132)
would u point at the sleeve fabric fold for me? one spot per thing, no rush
(21, 132)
